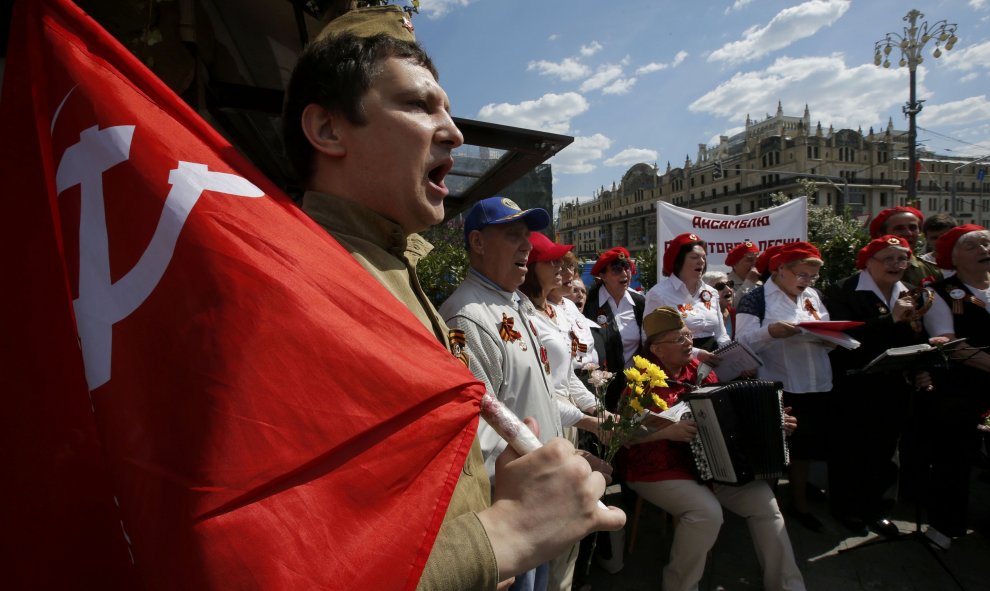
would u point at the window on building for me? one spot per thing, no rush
(883, 199)
(725, 210)
(752, 206)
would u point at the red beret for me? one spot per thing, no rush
(675, 246)
(946, 242)
(545, 249)
(876, 226)
(614, 254)
(736, 254)
(762, 263)
(793, 251)
(878, 244)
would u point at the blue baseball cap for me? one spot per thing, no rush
(501, 210)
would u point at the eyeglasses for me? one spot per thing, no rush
(723, 284)
(683, 339)
(806, 276)
(619, 266)
(893, 261)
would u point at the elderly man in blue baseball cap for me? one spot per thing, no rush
(492, 317)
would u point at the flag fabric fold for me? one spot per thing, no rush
(203, 389)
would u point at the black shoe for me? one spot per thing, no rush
(808, 520)
(885, 528)
(853, 524)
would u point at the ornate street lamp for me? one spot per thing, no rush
(911, 44)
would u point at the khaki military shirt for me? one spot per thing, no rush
(462, 556)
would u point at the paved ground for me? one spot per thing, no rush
(829, 561)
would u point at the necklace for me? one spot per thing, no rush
(546, 308)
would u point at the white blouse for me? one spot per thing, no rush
(570, 394)
(700, 309)
(799, 362)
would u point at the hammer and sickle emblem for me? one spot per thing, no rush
(101, 304)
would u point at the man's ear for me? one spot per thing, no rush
(320, 127)
(476, 242)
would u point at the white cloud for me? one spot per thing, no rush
(978, 4)
(788, 26)
(605, 75)
(553, 37)
(437, 8)
(969, 77)
(964, 112)
(620, 86)
(551, 112)
(568, 69)
(970, 57)
(581, 155)
(657, 66)
(591, 49)
(840, 95)
(631, 156)
(737, 5)
(715, 139)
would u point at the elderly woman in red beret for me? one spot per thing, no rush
(861, 469)
(685, 261)
(906, 222)
(961, 310)
(743, 273)
(767, 321)
(618, 311)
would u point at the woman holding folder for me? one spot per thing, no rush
(767, 322)
(862, 471)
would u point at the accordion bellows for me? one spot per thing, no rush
(740, 431)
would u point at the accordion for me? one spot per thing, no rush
(740, 431)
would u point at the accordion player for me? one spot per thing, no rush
(740, 431)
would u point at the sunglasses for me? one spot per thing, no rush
(723, 284)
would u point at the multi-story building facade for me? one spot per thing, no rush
(866, 172)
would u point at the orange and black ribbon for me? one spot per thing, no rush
(458, 345)
(505, 329)
(577, 346)
(811, 309)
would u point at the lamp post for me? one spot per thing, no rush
(911, 43)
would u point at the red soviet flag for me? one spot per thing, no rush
(202, 389)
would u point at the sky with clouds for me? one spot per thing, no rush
(648, 81)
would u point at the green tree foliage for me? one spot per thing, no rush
(441, 271)
(838, 237)
(646, 266)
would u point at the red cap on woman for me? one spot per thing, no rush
(762, 263)
(946, 242)
(794, 251)
(616, 253)
(545, 249)
(675, 246)
(736, 254)
(878, 244)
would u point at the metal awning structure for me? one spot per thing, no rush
(231, 61)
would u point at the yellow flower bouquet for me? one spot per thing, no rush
(619, 427)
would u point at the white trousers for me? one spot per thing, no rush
(699, 513)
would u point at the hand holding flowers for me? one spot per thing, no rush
(619, 427)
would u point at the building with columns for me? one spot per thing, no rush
(865, 172)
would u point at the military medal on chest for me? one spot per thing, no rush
(544, 358)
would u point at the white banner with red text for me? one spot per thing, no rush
(767, 227)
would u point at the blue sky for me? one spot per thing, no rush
(647, 81)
